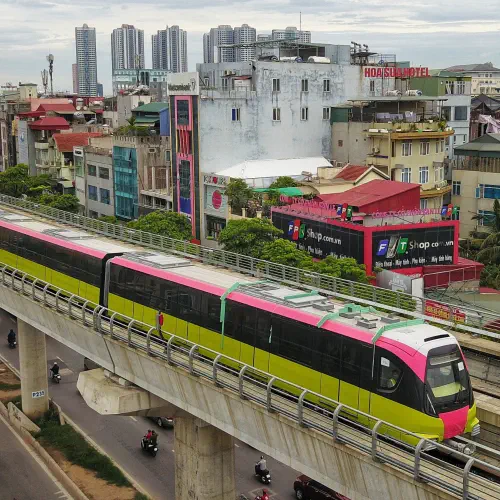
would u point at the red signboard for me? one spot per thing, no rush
(392, 72)
(442, 311)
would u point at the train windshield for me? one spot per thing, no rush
(448, 381)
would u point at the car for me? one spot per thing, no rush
(163, 421)
(308, 489)
(88, 364)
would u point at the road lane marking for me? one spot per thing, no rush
(133, 418)
(237, 445)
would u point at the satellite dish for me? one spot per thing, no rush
(85, 108)
(78, 108)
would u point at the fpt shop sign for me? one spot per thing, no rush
(418, 247)
(320, 239)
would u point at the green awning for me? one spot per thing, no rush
(147, 119)
(289, 191)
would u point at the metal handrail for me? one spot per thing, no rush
(375, 439)
(474, 321)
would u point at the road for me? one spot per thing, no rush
(119, 436)
(23, 476)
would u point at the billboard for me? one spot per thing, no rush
(183, 83)
(442, 311)
(320, 239)
(397, 249)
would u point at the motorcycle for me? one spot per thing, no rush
(55, 377)
(146, 445)
(263, 475)
(12, 344)
(265, 496)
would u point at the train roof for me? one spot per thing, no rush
(297, 303)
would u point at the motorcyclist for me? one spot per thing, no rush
(262, 465)
(54, 370)
(11, 337)
(265, 495)
(148, 435)
(154, 438)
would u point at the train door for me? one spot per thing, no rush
(366, 379)
(350, 372)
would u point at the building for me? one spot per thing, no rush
(126, 103)
(222, 35)
(169, 48)
(291, 33)
(254, 111)
(74, 71)
(149, 115)
(455, 91)
(129, 79)
(244, 34)
(86, 60)
(94, 177)
(484, 111)
(141, 180)
(476, 180)
(485, 77)
(127, 48)
(402, 136)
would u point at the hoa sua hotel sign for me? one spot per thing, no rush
(392, 72)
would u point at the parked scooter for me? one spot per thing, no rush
(55, 377)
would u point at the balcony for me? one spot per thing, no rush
(42, 145)
(409, 130)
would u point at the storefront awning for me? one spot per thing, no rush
(288, 191)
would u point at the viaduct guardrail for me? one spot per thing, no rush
(372, 437)
(466, 319)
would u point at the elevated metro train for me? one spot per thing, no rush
(413, 376)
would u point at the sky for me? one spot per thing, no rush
(432, 33)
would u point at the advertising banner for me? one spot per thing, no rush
(319, 238)
(442, 311)
(183, 83)
(398, 249)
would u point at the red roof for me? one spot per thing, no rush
(351, 172)
(66, 142)
(485, 289)
(50, 123)
(57, 108)
(372, 192)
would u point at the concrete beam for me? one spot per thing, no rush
(33, 369)
(204, 461)
(106, 394)
(340, 467)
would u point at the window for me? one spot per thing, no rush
(460, 112)
(424, 203)
(93, 214)
(425, 147)
(406, 174)
(406, 148)
(485, 217)
(438, 173)
(304, 114)
(93, 193)
(460, 87)
(103, 173)
(442, 145)
(424, 175)
(183, 111)
(305, 86)
(437, 146)
(326, 113)
(489, 191)
(92, 170)
(105, 196)
(449, 87)
(456, 187)
(276, 114)
(372, 85)
(446, 113)
(326, 85)
(389, 374)
(235, 114)
(276, 85)
(340, 143)
(454, 139)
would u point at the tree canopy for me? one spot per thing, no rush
(283, 182)
(170, 224)
(238, 194)
(16, 181)
(248, 236)
(66, 202)
(489, 252)
(281, 251)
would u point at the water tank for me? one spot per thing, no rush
(318, 59)
(291, 59)
(413, 92)
(393, 92)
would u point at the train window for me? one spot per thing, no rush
(351, 353)
(247, 333)
(212, 320)
(233, 319)
(264, 326)
(296, 342)
(329, 349)
(390, 374)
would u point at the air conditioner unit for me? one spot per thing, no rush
(375, 151)
(152, 150)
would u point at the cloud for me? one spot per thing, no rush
(434, 34)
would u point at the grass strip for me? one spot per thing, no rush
(9, 387)
(77, 451)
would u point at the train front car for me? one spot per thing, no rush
(445, 391)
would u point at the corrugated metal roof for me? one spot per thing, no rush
(66, 142)
(147, 119)
(371, 192)
(351, 172)
(50, 123)
(152, 107)
(487, 143)
(292, 167)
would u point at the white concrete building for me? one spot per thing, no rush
(169, 48)
(86, 60)
(290, 33)
(127, 48)
(485, 77)
(244, 34)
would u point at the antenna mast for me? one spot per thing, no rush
(50, 58)
(45, 80)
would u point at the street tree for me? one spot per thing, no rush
(170, 224)
(66, 202)
(238, 194)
